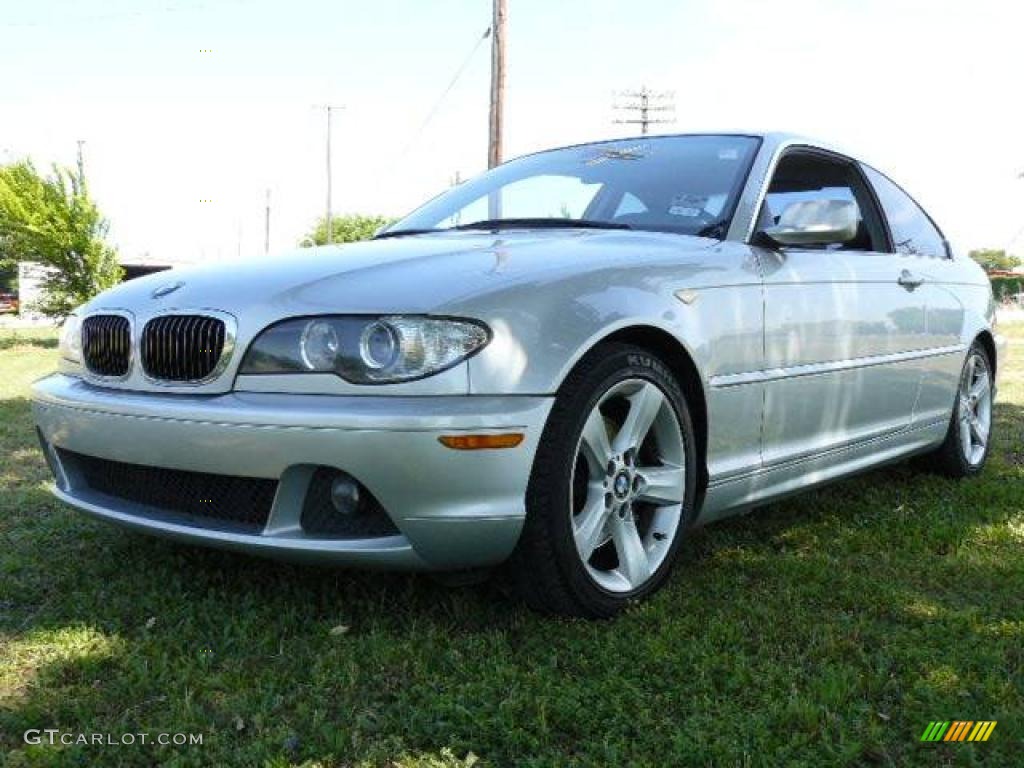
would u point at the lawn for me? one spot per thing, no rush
(825, 630)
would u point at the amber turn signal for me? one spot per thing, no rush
(481, 442)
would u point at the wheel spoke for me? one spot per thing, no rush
(662, 485)
(965, 436)
(980, 388)
(978, 431)
(972, 361)
(634, 564)
(589, 524)
(597, 447)
(644, 405)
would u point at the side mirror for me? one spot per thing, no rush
(815, 222)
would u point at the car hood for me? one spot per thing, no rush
(422, 273)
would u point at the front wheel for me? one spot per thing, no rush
(612, 489)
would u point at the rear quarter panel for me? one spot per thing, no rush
(960, 307)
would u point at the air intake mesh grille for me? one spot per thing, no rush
(242, 502)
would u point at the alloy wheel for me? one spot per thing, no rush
(628, 485)
(975, 409)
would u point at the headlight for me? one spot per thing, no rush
(365, 350)
(71, 339)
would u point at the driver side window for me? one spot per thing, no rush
(805, 176)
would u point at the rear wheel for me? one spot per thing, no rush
(612, 490)
(970, 428)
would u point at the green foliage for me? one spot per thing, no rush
(1007, 287)
(991, 258)
(349, 228)
(53, 221)
(824, 630)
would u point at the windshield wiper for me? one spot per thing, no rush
(543, 223)
(403, 232)
(717, 230)
(492, 224)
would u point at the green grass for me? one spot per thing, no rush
(826, 630)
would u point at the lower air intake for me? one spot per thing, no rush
(201, 499)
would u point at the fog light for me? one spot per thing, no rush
(345, 495)
(338, 506)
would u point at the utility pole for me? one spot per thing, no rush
(494, 149)
(81, 163)
(266, 226)
(642, 103)
(329, 216)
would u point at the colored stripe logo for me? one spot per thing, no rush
(959, 730)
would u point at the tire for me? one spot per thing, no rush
(971, 419)
(577, 504)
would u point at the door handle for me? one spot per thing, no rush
(909, 280)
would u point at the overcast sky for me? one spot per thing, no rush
(929, 91)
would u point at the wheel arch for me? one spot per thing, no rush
(680, 362)
(989, 343)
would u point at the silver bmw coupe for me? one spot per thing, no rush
(558, 367)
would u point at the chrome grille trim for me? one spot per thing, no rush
(186, 348)
(107, 345)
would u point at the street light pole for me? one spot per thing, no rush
(81, 163)
(266, 226)
(497, 116)
(329, 217)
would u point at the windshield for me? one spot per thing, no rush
(681, 184)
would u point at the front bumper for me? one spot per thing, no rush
(453, 509)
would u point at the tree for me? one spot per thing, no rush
(53, 221)
(991, 259)
(347, 229)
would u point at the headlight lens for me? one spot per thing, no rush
(71, 339)
(318, 345)
(365, 350)
(378, 345)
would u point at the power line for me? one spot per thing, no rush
(447, 90)
(644, 102)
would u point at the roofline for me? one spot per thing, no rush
(770, 139)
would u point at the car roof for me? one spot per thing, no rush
(771, 140)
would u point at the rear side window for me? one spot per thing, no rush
(913, 233)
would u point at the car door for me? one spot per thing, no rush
(841, 323)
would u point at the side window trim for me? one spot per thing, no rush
(855, 165)
(892, 240)
(876, 205)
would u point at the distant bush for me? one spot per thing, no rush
(1007, 287)
(993, 259)
(346, 229)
